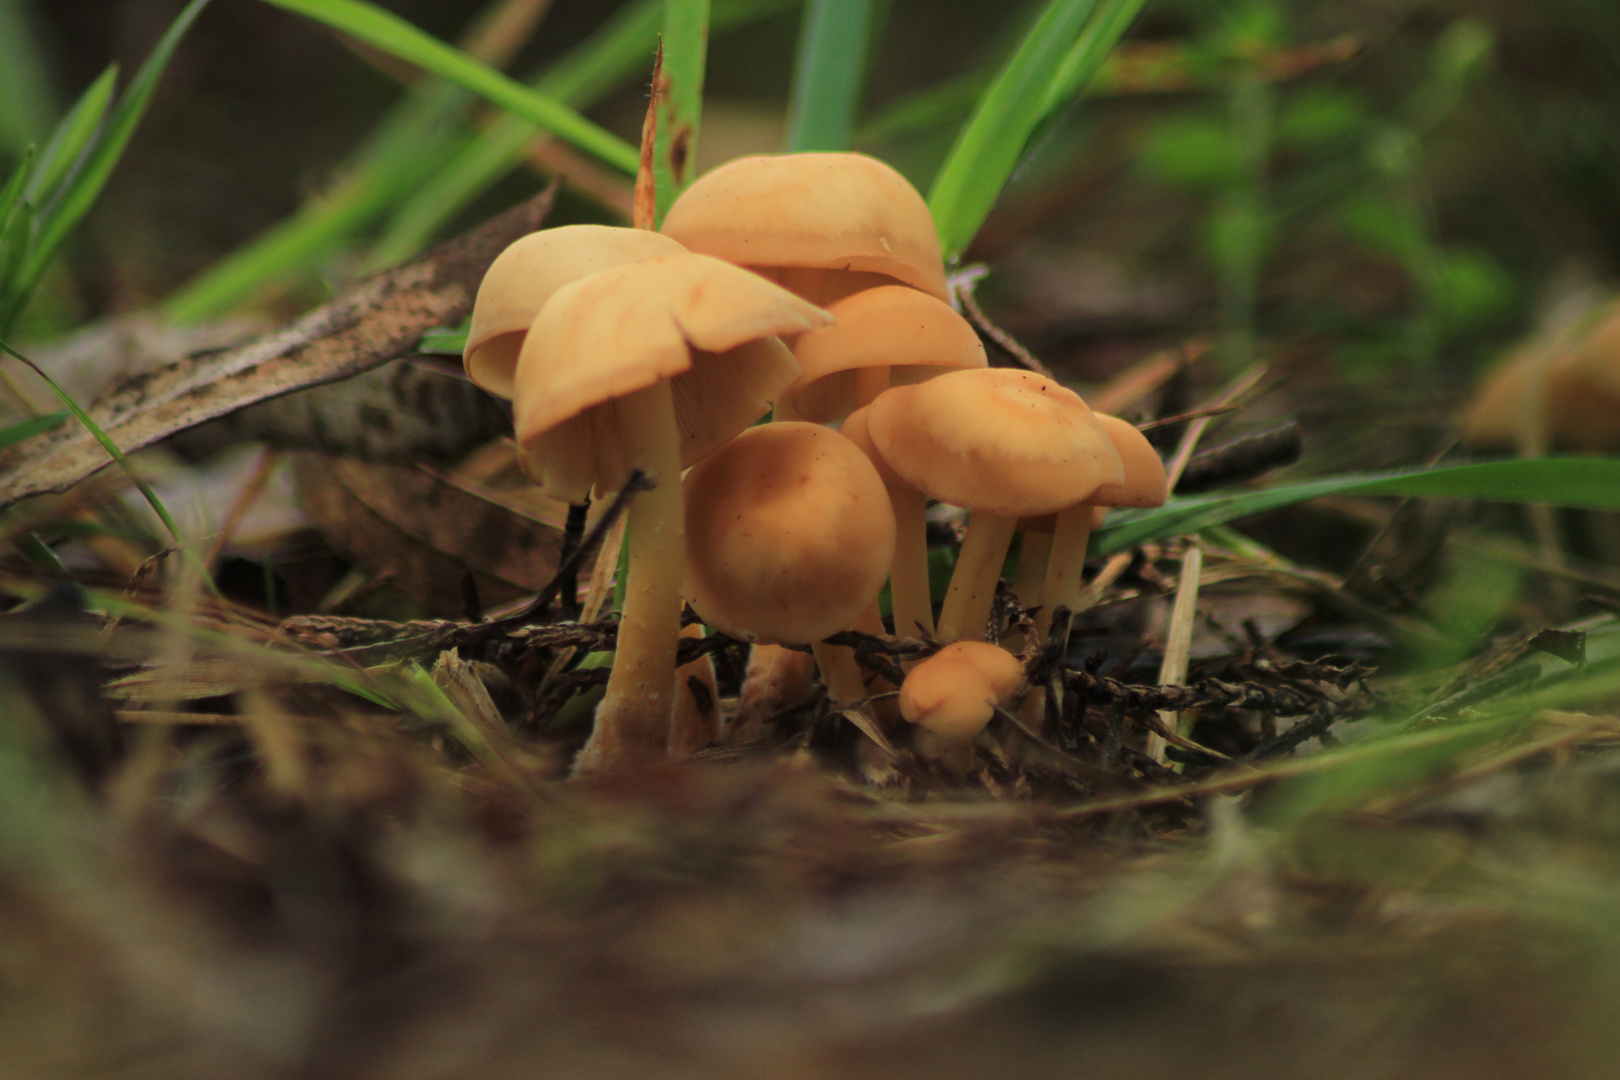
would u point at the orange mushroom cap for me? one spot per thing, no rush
(856, 429)
(999, 441)
(789, 534)
(524, 276)
(824, 211)
(889, 326)
(703, 324)
(954, 693)
(1145, 483)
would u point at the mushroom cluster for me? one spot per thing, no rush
(811, 287)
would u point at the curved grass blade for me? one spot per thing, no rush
(406, 147)
(393, 35)
(27, 105)
(620, 50)
(827, 74)
(1055, 59)
(680, 110)
(84, 183)
(989, 144)
(23, 430)
(107, 444)
(68, 142)
(1587, 483)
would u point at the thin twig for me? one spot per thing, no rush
(962, 283)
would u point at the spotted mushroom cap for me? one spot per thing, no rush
(824, 211)
(524, 276)
(954, 693)
(996, 440)
(703, 324)
(789, 534)
(890, 326)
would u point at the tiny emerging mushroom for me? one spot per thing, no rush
(650, 366)
(823, 225)
(953, 694)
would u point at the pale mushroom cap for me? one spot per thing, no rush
(1145, 481)
(524, 276)
(954, 693)
(834, 211)
(998, 441)
(857, 431)
(789, 534)
(705, 325)
(889, 326)
(1578, 411)
(1597, 354)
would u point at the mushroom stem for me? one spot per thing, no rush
(1033, 554)
(1065, 566)
(840, 672)
(908, 573)
(632, 723)
(973, 583)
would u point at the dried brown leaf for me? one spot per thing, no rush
(379, 320)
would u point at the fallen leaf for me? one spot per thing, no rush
(379, 320)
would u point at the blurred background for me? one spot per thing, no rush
(1397, 187)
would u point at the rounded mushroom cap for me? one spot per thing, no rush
(789, 534)
(998, 441)
(954, 693)
(1146, 483)
(855, 428)
(524, 276)
(832, 211)
(1597, 354)
(889, 326)
(703, 324)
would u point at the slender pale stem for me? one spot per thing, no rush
(908, 573)
(1030, 584)
(632, 723)
(973, 583)
(1065, 566)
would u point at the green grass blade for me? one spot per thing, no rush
(27, 105)
(1091, 50)
(827, 74)
(16, 227)
(107, 444)
(680, 114)
(443, 342)
(1586, 483)
(395, 36)
(68, 142)
(621, 49)
(24, 430)
(395, 161)
(618, 51)
(84, 184)
(989, 144)
(11, 194)
(928, 108)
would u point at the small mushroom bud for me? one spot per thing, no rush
(953, 694)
